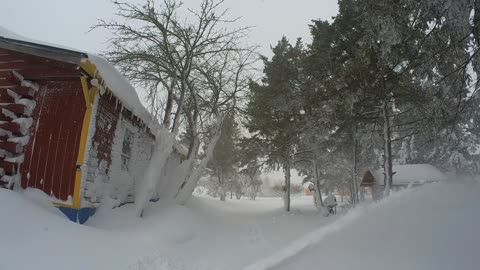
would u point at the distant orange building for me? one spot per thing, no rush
(309, 190)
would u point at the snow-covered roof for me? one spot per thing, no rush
(120, 87)
(109, 76)
(411, 174)
(4, 32)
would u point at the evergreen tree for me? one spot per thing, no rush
(393, 71)
(275, 109)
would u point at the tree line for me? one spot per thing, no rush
(382, 83)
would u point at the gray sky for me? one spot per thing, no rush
(66, 22)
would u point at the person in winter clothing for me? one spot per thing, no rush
(330, 202)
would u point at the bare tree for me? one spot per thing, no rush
(194, 67)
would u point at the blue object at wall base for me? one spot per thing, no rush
(78, 215)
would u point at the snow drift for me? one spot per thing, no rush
(431, 227)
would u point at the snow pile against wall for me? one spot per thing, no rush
(412, 173)
(169, 181)
(155, 175)
(125, 175)
(90, 163)
(53, 242)
(117, 180)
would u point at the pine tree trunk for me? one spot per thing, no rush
(317, 186)
(352, 200)
(387, 156)
(354, 167)
(286, 201)
(223, 194)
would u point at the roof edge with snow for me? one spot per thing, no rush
(104, 75)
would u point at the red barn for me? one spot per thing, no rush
(70, 125)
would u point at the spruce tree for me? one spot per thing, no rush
(274, 109)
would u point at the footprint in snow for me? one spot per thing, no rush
(255, 235)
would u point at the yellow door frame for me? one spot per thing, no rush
(89, 95)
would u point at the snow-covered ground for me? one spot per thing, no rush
(432, 227)
(207, 234)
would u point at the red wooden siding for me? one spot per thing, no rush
(51, 155)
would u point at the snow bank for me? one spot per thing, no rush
(430, 227)
(35, 235)
(307, 240)
(207, 234)
(422, 228)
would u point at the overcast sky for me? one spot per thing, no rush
(66, 22)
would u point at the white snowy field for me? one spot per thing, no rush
(431, 227)
(207, 234)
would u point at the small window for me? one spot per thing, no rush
(127, 149)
